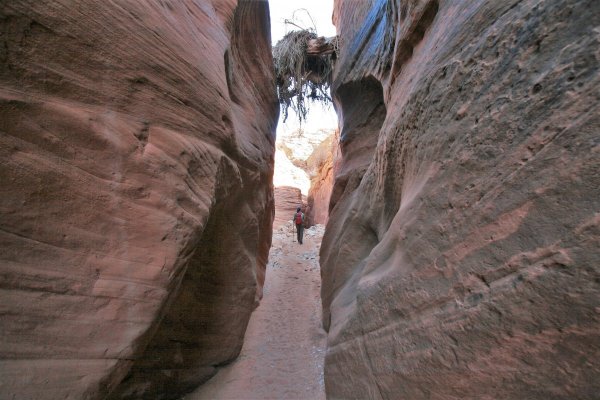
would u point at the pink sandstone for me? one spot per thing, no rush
(136, 148)
(461, 258)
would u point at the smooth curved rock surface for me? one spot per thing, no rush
(136, 159)
(461, 258)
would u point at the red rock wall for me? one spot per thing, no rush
(287, 199)
(136, 148)
(324, 161)
(461, 258)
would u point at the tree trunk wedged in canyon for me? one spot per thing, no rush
(136, 146)
(461, 257)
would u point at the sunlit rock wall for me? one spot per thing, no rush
(461, 258)
(136, 155)
(287, 199)
(322, 165)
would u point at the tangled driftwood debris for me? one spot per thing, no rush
(303, 67)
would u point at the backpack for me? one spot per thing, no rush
(298, 218)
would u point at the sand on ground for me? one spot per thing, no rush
(284, 346)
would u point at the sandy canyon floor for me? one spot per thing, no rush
(284, 347)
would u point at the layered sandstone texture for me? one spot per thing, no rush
(287, 200)
(322, 165)
(136, 155)
(461, 259)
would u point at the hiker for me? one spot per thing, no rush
(299, 221)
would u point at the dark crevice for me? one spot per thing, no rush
(229, 77)
(406, 45)
(182, 349)
(363, 109)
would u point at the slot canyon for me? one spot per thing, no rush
(452, 220)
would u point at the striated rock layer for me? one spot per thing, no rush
(461, 258)
(323, 162)
(287, 200)
(136, 158)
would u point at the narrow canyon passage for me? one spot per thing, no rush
(147, 188)
(284, 345)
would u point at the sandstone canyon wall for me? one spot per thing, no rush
(322, 164)
(136, 159)
(287, 199)
(461, 258)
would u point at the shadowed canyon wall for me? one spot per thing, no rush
(461, 255)
(136, 148)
